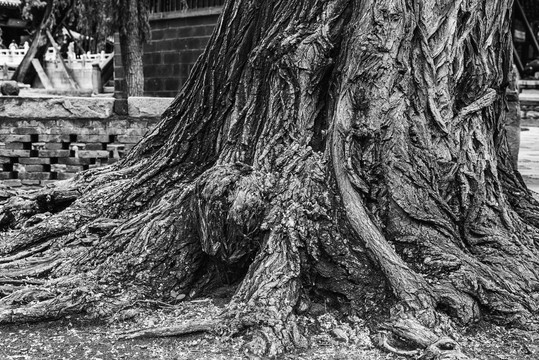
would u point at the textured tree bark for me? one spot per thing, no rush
(343, 152)
(132, 40)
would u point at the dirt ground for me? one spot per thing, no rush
(336, 339)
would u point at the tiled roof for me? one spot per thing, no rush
(13, 3)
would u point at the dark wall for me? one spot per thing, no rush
(177, 41)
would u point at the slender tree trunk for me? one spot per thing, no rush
(21, 74)
(131, 45)
(337, 152)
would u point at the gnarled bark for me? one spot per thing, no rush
(321, 151)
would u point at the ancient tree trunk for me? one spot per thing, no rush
(338, 152)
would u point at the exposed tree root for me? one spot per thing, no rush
(383, 342)
(418, 340)
(178, 330)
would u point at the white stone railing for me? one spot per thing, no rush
(11, 58)
(82, 61)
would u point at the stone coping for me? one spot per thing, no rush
(147, 106)
(98, 107)
(528, 84)
(529, 98)
(56, 107)
(186, 14)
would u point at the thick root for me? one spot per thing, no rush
(419, 341)
(178, 330)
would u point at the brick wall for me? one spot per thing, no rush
(177, 40)
(39, 151)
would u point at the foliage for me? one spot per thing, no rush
(29, 8)
(121, 16)
(94, 18)
(101, 18)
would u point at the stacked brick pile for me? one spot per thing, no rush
(37, 152)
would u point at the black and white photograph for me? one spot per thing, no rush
(269, 179)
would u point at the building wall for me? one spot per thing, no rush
(177, 40)
(35, 152)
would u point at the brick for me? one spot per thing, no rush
(189, 56)
(66, 131)
(14, 138)
(74, 161)
(58, 167)
(54, 138)
(35, 161)
(34, 168)
(172, 84)
(15, 146)
(53, 146)
(54, 153)
(93, 154)
(38, 146)
(74, 168)
(171, 58)
(5, 175)
(65, 176)
(158, 35)
(119, 73)
(19, 167)
(12, 183)
(5, 160)
(26, 131)
(14, 153)
(196, 42)
(163, 71)
(93, 138)
(77, 146)
(152, 84)
(94, 146)
(157, 57)
(128, 139)
(35, 176)
(138, 131)
(47, 182)
(31, 182)
(164, 45)
(149, 71)
(91, 128)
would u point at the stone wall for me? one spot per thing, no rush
(177, 40)
(35, 152)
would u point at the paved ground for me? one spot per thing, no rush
(528, 156)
